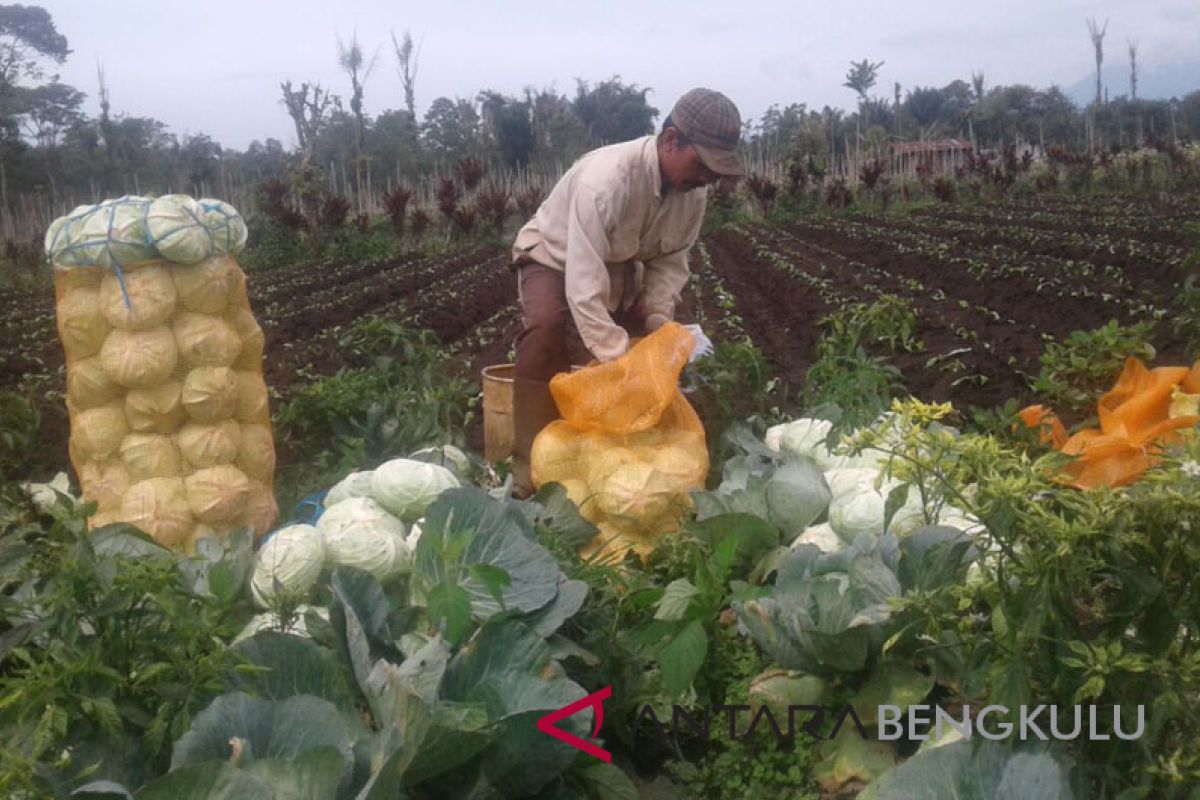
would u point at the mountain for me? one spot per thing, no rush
(1159, 83)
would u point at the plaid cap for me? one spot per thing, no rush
(712, 122)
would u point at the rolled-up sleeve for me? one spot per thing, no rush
(587, 282)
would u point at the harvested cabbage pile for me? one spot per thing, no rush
(629, 449)
(170, 425)
(370, 521)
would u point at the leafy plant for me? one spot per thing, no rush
(1077, 371)
(111, 644)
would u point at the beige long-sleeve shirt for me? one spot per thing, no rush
(619, 236)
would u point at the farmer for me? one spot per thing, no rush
(608, 250)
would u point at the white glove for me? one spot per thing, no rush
(704, 345)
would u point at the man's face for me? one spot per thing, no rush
(681, 166)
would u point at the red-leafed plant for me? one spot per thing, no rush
(764, 190)
(396, 203)
(529, 199)
(334, 211)
(870, 172)
(838, 194)
(470, 172)
(419, 222)
(492, 206)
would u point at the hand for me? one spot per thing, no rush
(655, 321)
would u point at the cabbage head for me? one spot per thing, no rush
(821, 536)
(356, 484)
(359, 532)
(287, 564)
(447, 456)
(406, 487)
(805, 438)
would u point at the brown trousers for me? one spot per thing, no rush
(547, 345)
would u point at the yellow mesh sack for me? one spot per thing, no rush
(170, 428)
(629, 449)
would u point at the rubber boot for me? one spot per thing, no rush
(533, 409)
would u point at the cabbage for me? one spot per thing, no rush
(805, 438)
(356, 484)
(209, 394)
(207, 287)
(208, 445)
(217, 495)
(102, 518)
(414, 535)
(97, 433)
(261, 510)
(104, 483)
(45, 495)
(155, 410)
(81, 323)
(821, 536)
(88, 385)
(256, 452)
(225, 225)
(139, 359)
(150, 455)
(271, 621)
(151, 297)
(639, 494)
(159, 507)
(287, 565)
(251, 397)
(555, 454)
(851, 479)
(176, 225)
(113, 232)
(406, 488)
(605, 459)
(447, 456)
(359, 532)
(796, 496)
(251, 335)
(855, 513)
(774, 437)
(205, 340)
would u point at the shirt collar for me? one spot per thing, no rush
(651, 157)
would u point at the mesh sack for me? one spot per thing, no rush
(165, 391)
(629, 449)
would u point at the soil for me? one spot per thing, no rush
(468, 300)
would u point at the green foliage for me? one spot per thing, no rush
(110, 645)
(732, 383)
(19, 421)
(275, 246)
(850, 371)
(1077, 371)
(399, 397)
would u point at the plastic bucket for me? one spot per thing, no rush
(498, 411)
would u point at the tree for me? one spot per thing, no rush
(407, 61)
(27, 35)
(977, 86)
(201, 158)
(862, 77)
(451, 129)
(1133, 51)
(507, 122)
(1097, 34)
(308, 107)
(559, 135)
(50, 109)
(926, 105)
(350, 59)
(612, 111)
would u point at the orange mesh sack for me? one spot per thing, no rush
(170, 427)
(1145, 410)
(629, 449)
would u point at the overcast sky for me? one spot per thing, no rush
(214, 66)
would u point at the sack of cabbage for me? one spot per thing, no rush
(371, 520)
(170, 427)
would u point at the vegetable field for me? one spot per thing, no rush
(988, 284)
(879, 528)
